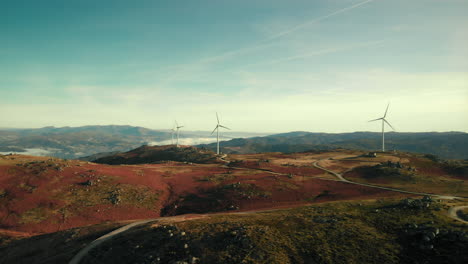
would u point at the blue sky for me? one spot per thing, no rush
(266, 66)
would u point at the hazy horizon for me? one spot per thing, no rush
(224, 132)
(269, 66)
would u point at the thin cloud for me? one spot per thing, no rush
(322, 52)
(258, 45)
(316, 20)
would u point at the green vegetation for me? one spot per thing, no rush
(155, 154)
(386, 171)
(457, 168)
(367, 232)
(104, 190)
(215, 199)
(35, 215)
(217, 178)
(421, 174)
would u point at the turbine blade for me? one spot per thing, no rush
(386, 110)
(388, 123)
(217, 118)
(374, 119)
(177, 124)
(224, 127)
(214, 130)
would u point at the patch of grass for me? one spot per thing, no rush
(106, 191)
(217, 178)
(34, 215)
(457, 168)
(385, 172)
(421, 179)
(218, 198)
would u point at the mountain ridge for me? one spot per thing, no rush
(451, 145)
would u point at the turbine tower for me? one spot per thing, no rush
(172, 134)
(383, 127)
(177, 128)
(217, 133)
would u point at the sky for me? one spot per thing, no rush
(263, 65)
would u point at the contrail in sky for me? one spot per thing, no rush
(314, 21)
(264, 42)
(288, 31)
(322, 52)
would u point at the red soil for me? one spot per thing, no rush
(27, 187)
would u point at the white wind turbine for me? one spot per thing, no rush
(383, 126)
(172, 134)
(217, 133)
(177, 128)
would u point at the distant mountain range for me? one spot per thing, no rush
(75, 142)
(449, 145)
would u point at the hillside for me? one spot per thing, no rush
(155, 154)
(449, 145)
(41, 195)
(352, 232)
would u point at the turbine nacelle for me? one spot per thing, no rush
(383, 118)
(383, 126)
(218, 125)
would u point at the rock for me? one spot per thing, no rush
(245, 243)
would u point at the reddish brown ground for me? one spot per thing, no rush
(47, 197)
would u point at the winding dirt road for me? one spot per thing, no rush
(453, 213)
(83, 252)
(340, 177)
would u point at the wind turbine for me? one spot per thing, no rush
(217, 133)
(177, 128)
(172, 134)
(383, 126)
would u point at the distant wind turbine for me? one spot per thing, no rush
(383, 126)
(177, 128)
(172, 134)
(217, 133)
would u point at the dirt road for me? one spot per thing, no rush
(82, 253)
(452, 213)
(341, 178)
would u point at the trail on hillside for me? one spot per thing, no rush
(453, 213)
(341, 178)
